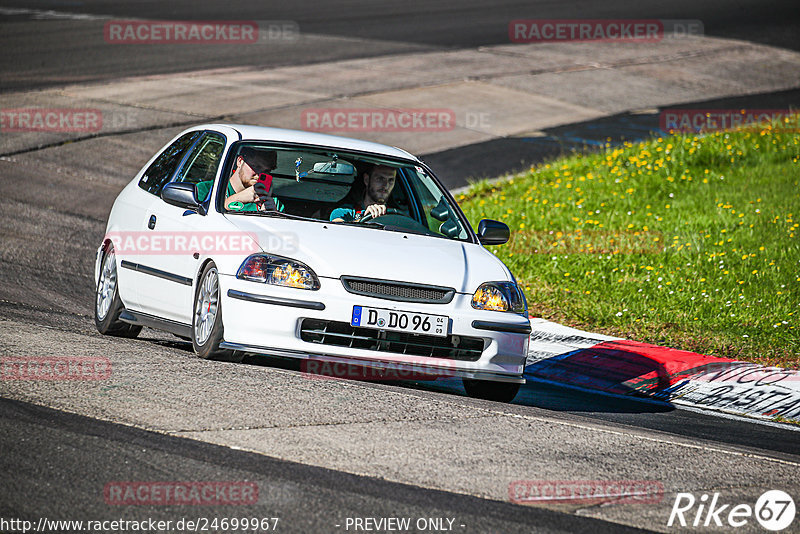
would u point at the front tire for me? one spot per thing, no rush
(493, 391)
(107, 304)
(207, 329)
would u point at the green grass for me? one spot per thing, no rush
(781, 419)
(689, 241)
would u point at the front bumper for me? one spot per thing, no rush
(267, 319)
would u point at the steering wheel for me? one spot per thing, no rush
(369, 217)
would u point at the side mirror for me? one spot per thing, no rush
(493, 232)
(183, 195)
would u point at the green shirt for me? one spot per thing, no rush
(347, 213)
(204, 188)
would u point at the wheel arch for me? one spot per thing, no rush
(100, 256)
(199, 273)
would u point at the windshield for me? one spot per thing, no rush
(339, 187)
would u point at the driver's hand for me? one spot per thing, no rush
(376, 210)
(246, 195)
(251, 194)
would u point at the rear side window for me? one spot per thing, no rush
(160, 171)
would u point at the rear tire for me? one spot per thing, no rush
(107, 304)
(493, 391)
(207, 329)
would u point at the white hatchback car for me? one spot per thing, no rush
(413, 288)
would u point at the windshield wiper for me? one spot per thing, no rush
(281, 214)
(370, 224)
(404, 230)
(271, 214)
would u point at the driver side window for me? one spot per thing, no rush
(202, 164)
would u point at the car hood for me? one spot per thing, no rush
(333, 250)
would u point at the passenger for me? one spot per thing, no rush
(241, 188)
(378, 185)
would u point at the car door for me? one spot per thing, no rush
(178, 232)
(129, 231)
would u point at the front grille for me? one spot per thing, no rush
(341, 334)
(402, 291)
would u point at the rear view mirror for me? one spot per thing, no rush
(335, 168)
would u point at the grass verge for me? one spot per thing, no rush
(690, 241)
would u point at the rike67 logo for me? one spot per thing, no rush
(774, 510)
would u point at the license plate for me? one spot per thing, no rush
(400, 321)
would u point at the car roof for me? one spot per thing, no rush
(263, 133)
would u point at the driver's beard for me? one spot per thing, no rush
(240, 176)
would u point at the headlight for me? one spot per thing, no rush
(278, 271)
(500, 296)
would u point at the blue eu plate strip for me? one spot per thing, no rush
(356, 321)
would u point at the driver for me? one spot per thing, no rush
(378, 185)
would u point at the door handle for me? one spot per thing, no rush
(152, 222)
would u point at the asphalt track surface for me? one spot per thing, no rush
(41, 445)
(43, 50)
(54, 462)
